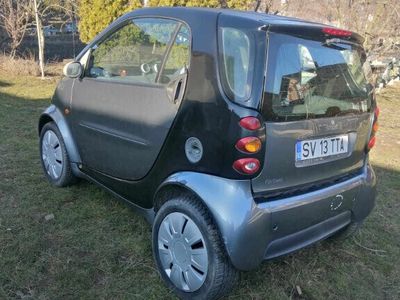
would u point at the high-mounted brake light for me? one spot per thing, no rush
(247, 166)
(250, 123)
(249, 144)
(336, 32)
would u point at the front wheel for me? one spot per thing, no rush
(188, 251)
(54, 156)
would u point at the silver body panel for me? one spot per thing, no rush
(254, 231)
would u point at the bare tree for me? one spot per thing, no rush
(40, 9)
(40, 36)
(14, 18)
(374, 19)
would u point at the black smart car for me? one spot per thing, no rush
(240, 136)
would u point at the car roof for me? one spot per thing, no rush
(251, 15)
(194, 14)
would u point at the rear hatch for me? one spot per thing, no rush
(317, 106)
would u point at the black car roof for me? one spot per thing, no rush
(256, 16)
(195, 13)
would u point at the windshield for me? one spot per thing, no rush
(314, 79)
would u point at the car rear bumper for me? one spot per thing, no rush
(307, 236)
(254, 231)
(296, 222)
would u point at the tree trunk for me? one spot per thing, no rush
(12, 53)
(40, 36)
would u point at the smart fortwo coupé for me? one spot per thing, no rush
(240, 136)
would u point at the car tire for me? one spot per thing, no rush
(189, 252)
(54, 157)
(347, 232)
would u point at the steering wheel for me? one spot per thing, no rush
(145, 68)
(151, 66)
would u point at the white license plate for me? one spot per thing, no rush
(324, 147)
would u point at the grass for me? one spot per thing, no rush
(95, 247)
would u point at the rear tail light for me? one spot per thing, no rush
(377, 111)
(371, 142)
(336, 32)
(247, 166)
(250, 123)
(249, 144)
(375, 127)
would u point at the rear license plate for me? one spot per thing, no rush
(324, 147)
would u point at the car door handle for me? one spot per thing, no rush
(178, 91)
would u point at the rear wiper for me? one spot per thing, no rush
(334, 111)
(331, 42)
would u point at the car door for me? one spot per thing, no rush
(124, 105)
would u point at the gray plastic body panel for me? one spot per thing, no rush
(54, 113)
(254, 231)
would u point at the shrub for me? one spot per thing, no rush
(95, 15)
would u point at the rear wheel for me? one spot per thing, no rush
(188, 251)
(54, 156)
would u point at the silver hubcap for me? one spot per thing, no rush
(52, 154)
(182, 252)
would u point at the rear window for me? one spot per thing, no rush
(312, 79)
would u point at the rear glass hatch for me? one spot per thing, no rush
(317, 106)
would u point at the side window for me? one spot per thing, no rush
(237, 63)
(134, 53)
(178, 59)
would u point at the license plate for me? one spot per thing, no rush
(324, 147)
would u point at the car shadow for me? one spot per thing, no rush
(5, 84)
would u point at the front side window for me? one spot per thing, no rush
(178, 58)
(135, 53)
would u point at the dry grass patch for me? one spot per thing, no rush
(19, 66)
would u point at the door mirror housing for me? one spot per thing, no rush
(73, 69)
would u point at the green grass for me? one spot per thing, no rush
(96, 247)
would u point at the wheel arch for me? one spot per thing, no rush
(229, 202)
(52, 114)
(43, 120)
(169, 191)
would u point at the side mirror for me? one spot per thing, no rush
(73, 69)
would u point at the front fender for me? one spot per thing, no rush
(243, 228)
(52, 113)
